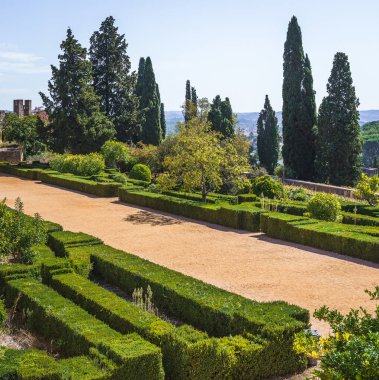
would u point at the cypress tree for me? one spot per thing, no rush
(339, 145)
(141, 70)
(163, 122)
(268, 137)
(76, 122)
(221, 116)
(187, 102)
(194, 100)
(299, 116)
(151, 105)
(113, 81)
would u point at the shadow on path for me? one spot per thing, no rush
(146, 217)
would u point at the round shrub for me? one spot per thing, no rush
(324, 207)
(140, 172)
(113, 152)
(268, 187)
(297, 194)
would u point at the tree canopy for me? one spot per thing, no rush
(221, 116)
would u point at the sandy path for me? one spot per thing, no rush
(250, 264)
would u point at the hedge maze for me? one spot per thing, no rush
(199, 331)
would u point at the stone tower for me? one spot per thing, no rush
(18, 107)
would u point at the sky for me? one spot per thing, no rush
(229, 47)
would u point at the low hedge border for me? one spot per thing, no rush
(77, 332)
(187, 353)
(356, 241)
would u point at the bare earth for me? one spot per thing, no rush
(249, 264)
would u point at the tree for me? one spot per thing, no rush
(163, 121)
(268, 137)
(199, 158)
(367, 188)
(194, 99)
(221, 117)
(187, 102)
(113, 81)
(76, 122)
(150, 103)
(24, 132)
(298, 107)
(339, 145)
(203, 109)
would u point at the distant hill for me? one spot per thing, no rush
(248, 120)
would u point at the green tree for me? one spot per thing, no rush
(163, 122)
(298, 107)
(268, 137)
(339, 146)
(221, 116)
(194, 99)
(141, 72)
(199, 159)
(150, 103)
(113, 81)
(24, 131)
(187, 102)
(76, 122)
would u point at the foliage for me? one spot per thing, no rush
(279, 171)
(150, 103)
(18, 232)
(113, 152)
(339, 129)
(23, 131)
(351, 351)
(296, 193)
(165, 182)
(120, 178)
(199, 160)
(114, 82)
(140, 172)
(78, 164)
(299, 108)
(367, 188)
(221, 117)
(370, 131)
(43, 157)
(324, 207)
(3, 314)
(268, 137)
(268, 187)
(76, 123)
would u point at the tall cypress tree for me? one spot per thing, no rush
(113, 81)
(298, 108)
(221, 116)
(339, 145)
(194, 99)
(151, 107)
(187, 102)
(163, 121)
(141, 72)
(268, 137)
(76, 122)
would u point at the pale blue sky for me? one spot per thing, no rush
(233, 48)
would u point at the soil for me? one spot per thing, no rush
(250, 264)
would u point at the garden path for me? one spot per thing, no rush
(250, 264)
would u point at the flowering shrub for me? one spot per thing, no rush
(78, 164)
(324, 207)
(351, 351)
(367, 189)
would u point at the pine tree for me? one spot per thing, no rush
(150, 105)
(339, 145)
(298, 107)
(221, 116)
(268, 137)
(76, 122)
(113, 81)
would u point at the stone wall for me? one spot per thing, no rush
(13, 155)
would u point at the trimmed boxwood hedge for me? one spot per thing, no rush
(77, 332)
(356, 241)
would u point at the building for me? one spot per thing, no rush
(22, 109)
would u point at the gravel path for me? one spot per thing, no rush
(250, 264)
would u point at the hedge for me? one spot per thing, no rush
(244, 216)
(356, 241)
(34, 364)
(187, 352)
(77, 332)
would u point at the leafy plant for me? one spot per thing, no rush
(297, 193)
(144, 300)
(19, 232)
(351, 351)
(78, 164)
(324, 207)
(114, 152)
(140, 172)
(268, 187)
(368, 188)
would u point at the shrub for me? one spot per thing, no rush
(268, 187)
(165, 182)
(3, 314)
(140, 172)
(279, 171)
(19, 232)
(114, 152)
(297, 193)
(119, 177)
(78, 164)
(324, 207)
(367, 189)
